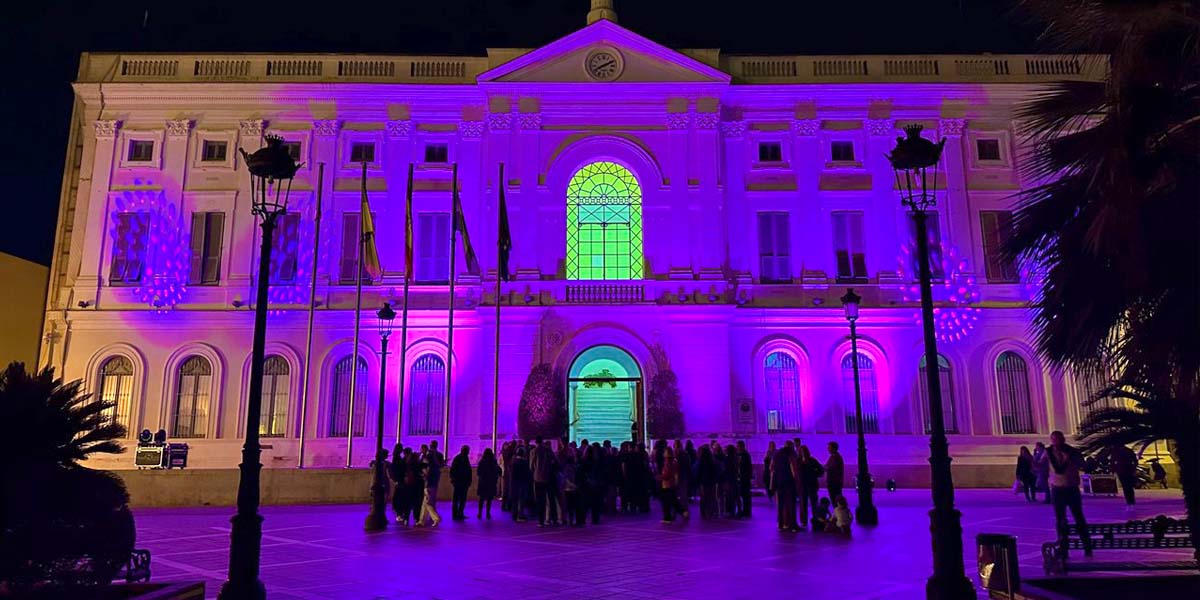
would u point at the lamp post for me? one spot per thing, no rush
(914, 160)
(865, 513)
(377, 518)
(271, 172)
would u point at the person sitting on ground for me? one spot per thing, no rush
(840, 524)
(821, 516)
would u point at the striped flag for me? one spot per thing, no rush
(370, 256)
(460, 227)
(504, 241)
(408, 228)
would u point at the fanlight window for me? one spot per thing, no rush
(783, 392)
(870, 393)
(116, 388)
(273, 418)
(339, 408)
(427, 395)
(1016, 410)
(947, 384)
(604, 223)
(192, 398)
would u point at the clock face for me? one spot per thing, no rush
(604, 65)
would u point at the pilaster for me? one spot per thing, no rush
(680, 245)
(470, 180)
(244, 232)
(525, 155)
(497, 150)
(739, 222)
(886, 224)
(955, 203)
(710, 242)
(92, 270)
(807, 215)
(400, 155)
(324, 150)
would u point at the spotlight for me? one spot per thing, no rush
(85, 303)
(891, 485)
(160, 436)
(238, 303)
(145, 437)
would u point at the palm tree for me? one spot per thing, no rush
(62, 524)
(1113, 221)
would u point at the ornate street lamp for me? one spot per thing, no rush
(271, 172)
(865, 513)
(377, 518)
(914, 161)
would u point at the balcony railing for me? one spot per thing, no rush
(605, 293)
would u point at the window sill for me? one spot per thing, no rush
(770, 166)
(844, 165)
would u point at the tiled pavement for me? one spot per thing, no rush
(312, 552)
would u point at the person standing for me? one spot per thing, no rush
(521, 479)
(706, 477)
(767, 469)
(808, 483)
(1124, 462)
(783, 477)
(488, 475)
(835, 473)
(460, 480)
(396, 474)
(544, 494)
(433, 476)
(507, 452)
(414, 486)
(1041, 470)
(668, 483)
(569, 485)
(1065, 463)
(745, 478)
(1025, 475)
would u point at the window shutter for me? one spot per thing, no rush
(350, 234)
(841, 248)
(139, 233)
(212, 255)
(857, 245)
(120, 251)
(782, 243)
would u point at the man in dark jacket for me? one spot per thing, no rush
(460, 479)
(745, 478)
(544, 490)
(1124, 462)
(835, 472)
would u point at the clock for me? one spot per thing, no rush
(604, 64)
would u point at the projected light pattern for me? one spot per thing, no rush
(292, 261)
(955, 295)
(166, 255)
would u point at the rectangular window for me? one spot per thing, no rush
(987, 149)
(933, 231)
(770, 152)
(437, 153)
(996, 227)
(213, 151)
(362, 152)
(207, 230)
(849, 246)
(432, 247)
(129, 248)
(351, 243)
(774, 248)
(141, 150)
(293, 150)
(841, 151)
(284, 249)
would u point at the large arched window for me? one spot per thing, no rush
(339, 408)
(192, 398)
(947, 384)
(604, 223)
(275, 396)
(783, 392)
(116, 388)
(1012, 378)
(426, 395)
(870, 393)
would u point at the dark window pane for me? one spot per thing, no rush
(770, 152)
(988, 149)
(437, 153)
(293, 150)
(361, 152)
(213, 151)
(841, 151)
(996, 226)
(141, 150)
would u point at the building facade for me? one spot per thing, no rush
(680, 210)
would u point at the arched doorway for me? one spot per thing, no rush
(604, 396)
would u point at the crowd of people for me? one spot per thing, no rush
(571, 484)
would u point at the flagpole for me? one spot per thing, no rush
(358, 271)
(454, 209)
(499, 278)
(312, 305)
(408, 275)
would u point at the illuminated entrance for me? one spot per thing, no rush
(604, 395)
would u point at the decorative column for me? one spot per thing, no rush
(710, 240)
(807, 165)
(324, 150)
(955, 201)
(739, 219)
(399, 154)
(470, 159)
(244, 229)
(174, 161)
(525, 155)
(679, 244)
(98, 219)
(497, 147)
(886, 227)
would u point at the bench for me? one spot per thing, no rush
(138, 567)
(1158, 533)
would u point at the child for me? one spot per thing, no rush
(821, 515)
(840, 523)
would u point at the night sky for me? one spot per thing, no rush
(46, 37)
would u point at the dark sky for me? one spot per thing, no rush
(47, 36)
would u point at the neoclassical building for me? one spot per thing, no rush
(678, 209)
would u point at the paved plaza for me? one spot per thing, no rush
(312, 552)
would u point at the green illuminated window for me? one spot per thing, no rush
(604, 223)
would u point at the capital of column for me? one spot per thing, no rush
(707, 120)
(105, 130)
(326, 128)
(178, 127)
(733, 129)
(806, 127)
(679, 120)
(399, 129)
(500, 121)
(252, 128)
(530, 121)
(951, 127)
(881, 127)
(470, 130)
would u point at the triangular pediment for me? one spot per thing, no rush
(603, 47)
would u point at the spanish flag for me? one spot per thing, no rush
(408, 228)
(370, 254)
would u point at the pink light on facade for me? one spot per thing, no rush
(955, 295)
(162, 246)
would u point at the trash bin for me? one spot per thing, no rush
(998, 571)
